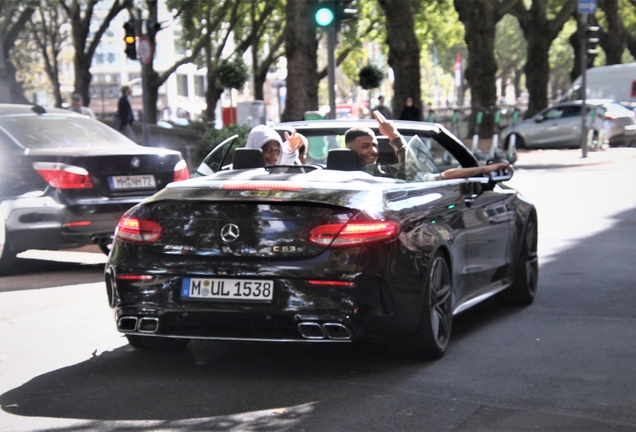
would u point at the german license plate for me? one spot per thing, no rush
(227, 289)
(132, 182)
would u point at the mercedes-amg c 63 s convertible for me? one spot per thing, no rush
(323, 252)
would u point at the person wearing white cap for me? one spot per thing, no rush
(275, 151)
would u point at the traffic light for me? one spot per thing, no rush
(325, 13)
(129, 39)
(152, 27)
(344, 13)
(592, 39)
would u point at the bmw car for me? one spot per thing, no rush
(323, 252)
(67, 179)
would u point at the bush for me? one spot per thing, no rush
(370, 77)
(214, 137)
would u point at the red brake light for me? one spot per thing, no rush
(331, 283)
(77, 223)
(135, 277)
(181, 171)
(135, 230)
(63, 176)
(354, 233)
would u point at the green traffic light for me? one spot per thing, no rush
(324, 16)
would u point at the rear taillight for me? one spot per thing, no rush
(135, 230)
(354, 233)
(63, 176)
(135, 277)
(181, 171)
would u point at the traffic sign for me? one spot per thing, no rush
(145, 50)
(587, 6)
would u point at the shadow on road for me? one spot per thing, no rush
(36, 274)
(215, 381)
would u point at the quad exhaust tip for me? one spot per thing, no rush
(132, 324)
(331, 330)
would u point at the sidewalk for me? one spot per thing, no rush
(533, 159)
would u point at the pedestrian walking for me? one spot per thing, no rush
(124, 116)
(410, 111)
(383, 109)
(77, 105)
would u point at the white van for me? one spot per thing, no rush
(615, 82)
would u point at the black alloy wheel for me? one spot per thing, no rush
(152, 343)
(7, 256)
(524, 288)
(431, 339)
(105, 248)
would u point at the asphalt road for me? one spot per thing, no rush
(563, 364)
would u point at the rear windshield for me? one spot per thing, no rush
(50, 130)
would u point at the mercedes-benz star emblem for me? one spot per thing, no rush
(135, 162)
(229, 233)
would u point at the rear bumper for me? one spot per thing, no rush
(43, 223)
(379, 302)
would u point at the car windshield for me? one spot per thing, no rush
(52, 130)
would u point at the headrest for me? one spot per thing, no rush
(342, 160)
(247, 158)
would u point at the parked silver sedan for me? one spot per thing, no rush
(559, 126)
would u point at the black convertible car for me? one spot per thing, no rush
(322, 252)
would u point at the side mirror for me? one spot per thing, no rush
(502, 174)
(538, 118)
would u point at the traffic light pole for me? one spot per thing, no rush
(331, 69)
(583, 40)
(144, 85)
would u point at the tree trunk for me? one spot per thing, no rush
(612, 41)
(539, 32)
(300, 46)
(260, 75)
(575, 43)
(537, 70)
(10, 89)
(480, 18)
(84, 47)
(404, 53)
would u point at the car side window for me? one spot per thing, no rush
(554, 113)
(424, 159)
(572, 111)
(218, 157)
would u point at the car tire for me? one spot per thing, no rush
(7, 255)
(105, 248)
(433, 334)
(524, 288)
(519, 142)
(153, 343)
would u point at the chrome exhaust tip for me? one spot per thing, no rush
(127, 324)
(148, 325)
(311, 330)
(337, 331)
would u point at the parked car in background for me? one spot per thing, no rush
(559, 126)
(67, 179)
(611, 82)
(327, 252)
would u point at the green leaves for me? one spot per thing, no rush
(232, 73)
(370, 77)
